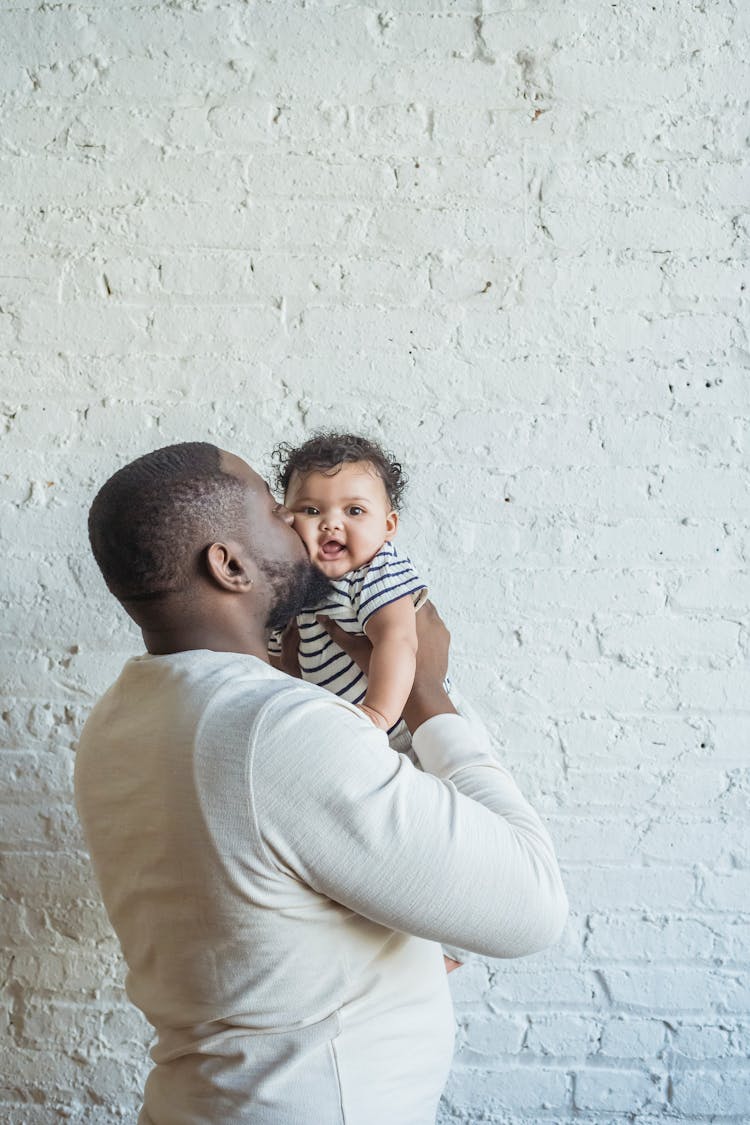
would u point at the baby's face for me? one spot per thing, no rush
(342, 515)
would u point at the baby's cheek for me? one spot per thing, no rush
(303, 531)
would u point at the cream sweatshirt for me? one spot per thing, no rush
(279, 879)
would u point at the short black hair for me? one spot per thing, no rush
(328, 449)
(150, 521)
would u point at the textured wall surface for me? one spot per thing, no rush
(510, 239)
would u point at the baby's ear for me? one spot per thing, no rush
(391, 524)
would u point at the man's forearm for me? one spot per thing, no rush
(427, 699)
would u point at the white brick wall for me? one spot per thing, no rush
(511, 240)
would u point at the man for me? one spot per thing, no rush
(279, 879)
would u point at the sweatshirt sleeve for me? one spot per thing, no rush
(453, 854)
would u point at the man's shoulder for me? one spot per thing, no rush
(242, 699)
(185, 688)
(306, 729)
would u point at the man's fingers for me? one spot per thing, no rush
(433, 641)
(290, 649)
(430, 622)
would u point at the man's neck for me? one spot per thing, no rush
(162, 642)
(168, 628)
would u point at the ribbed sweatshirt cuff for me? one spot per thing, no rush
(445, 744)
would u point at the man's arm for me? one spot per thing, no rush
(454, 854)
(427, 696)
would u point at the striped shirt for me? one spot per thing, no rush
(351, 601)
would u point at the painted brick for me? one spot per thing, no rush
(629, 1091)
(609, 887)
(725, 890)
(538, 987)
(561, 1035)
(696, 841)
(496, 1092)
(709, 1092)
(626, 1038)
(703, 1042)
(656, 988)
(629, 938)
(483, 1038)
(515, 250)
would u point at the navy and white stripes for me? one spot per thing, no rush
(351, 601)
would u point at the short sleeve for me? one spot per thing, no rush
(389, 577)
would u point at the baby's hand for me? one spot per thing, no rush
(375, 716)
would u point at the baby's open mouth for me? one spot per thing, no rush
(331, 549)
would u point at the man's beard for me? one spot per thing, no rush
(296, 586)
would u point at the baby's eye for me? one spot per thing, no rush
(310, 511)
(355, 510)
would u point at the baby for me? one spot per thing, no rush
(344, 492)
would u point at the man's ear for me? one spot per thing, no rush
(391, 524)
(228, 568)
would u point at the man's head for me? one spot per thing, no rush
(148, 523)
(184, 523)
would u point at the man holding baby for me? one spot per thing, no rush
(280, 879)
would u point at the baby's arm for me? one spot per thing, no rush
(392, 631)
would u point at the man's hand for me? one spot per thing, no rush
(428, 696)
(288, 661)
(433, 640)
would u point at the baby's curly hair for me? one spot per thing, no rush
(327, 450)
